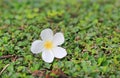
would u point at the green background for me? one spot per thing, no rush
(91, 29)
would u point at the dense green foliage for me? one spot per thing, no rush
(91, 29)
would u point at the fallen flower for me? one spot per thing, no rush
(49, 45)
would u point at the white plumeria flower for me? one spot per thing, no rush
(49, 45)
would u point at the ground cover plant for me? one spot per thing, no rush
(92, 38)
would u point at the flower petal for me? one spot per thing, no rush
(48, 56)
(58, 38)
(59, 52)
(36, 46)
(47, 34)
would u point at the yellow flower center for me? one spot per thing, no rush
(48, 45)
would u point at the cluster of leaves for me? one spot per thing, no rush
(91, 29)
